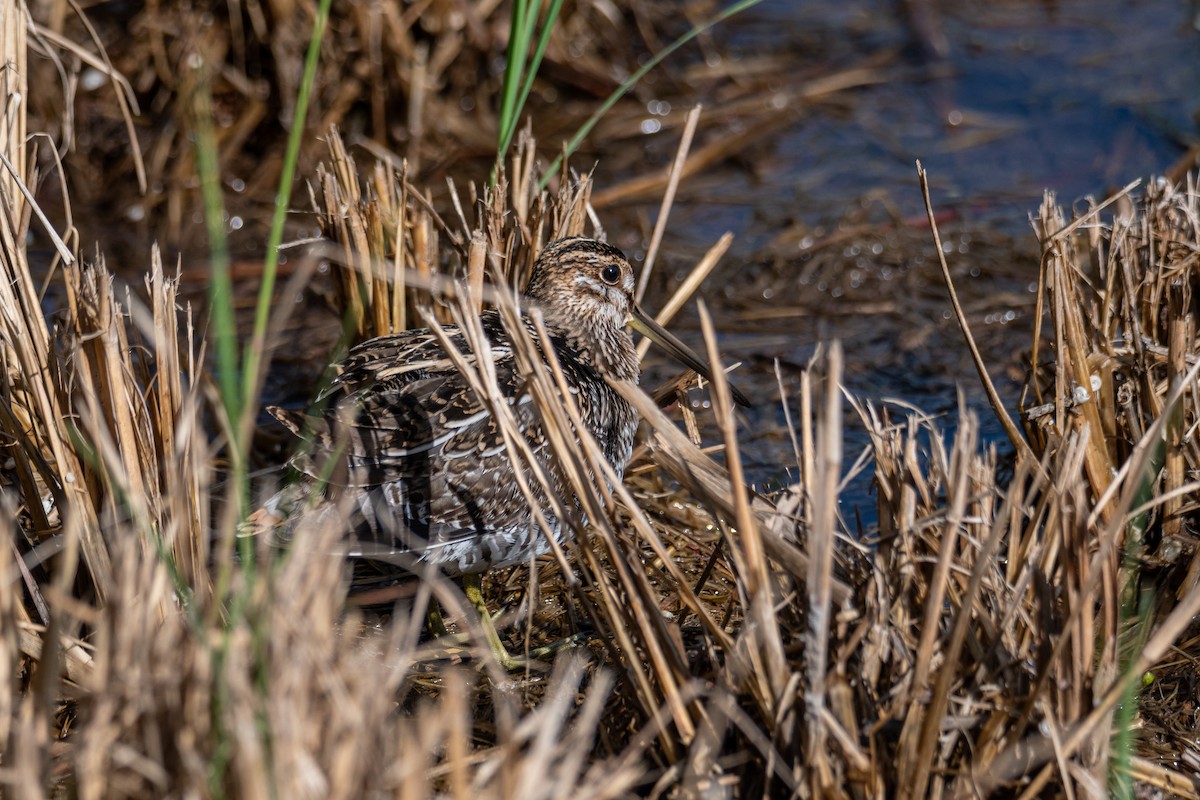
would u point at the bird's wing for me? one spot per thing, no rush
(395, 359)
(398, 404)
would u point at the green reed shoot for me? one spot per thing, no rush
(220, 285)
(262, 311)
(521, 68)
(240, 383)
(240, 389)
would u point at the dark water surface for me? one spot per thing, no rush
(1075, 97)
(1070, 96)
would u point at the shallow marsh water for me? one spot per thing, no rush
(999, 101)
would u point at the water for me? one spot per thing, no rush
(1076, 97)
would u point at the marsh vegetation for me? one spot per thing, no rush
(1007, 611)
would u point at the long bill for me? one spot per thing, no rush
(644, 324)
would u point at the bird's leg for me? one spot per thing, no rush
(473, 588)
(434, 621)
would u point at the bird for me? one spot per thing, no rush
(401, 451)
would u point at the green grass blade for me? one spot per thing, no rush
(508, 127)
(1136, 608)
(632, 80)
(220, 285)
(262, 312)
(521, 29)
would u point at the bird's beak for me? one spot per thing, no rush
(644, 324)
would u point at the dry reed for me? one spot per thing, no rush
(977, 644)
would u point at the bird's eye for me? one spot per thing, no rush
(611, 274)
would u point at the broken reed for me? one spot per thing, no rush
(1119, 286)
(974, 646)
(1121, 301)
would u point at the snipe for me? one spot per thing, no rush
(420, 463)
